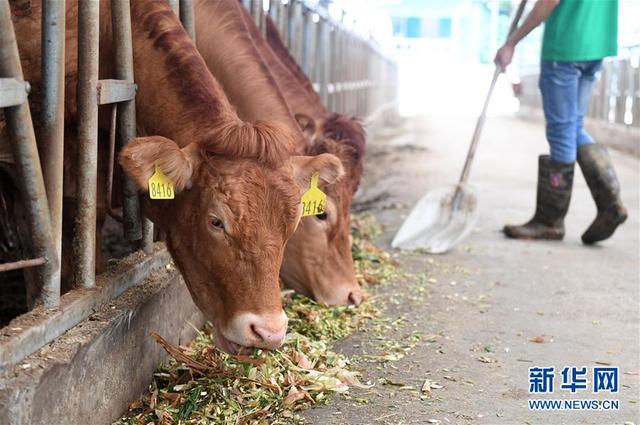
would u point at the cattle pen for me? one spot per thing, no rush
(87, 372)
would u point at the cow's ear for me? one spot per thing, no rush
(140, 157)
(307, 125)
(328, 167)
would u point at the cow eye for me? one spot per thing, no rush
(216, 223)
(322, 217)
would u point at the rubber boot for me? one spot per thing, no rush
(555, 180)
(601, 177)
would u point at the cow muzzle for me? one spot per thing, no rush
(342, 294)
(255, 330)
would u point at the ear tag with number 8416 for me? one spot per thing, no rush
(314, 200)
(160, 187)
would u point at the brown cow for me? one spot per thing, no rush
(238, 188)
(317, 259)
(333, 133)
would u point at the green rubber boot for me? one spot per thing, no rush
(555, 180)
(602, 181)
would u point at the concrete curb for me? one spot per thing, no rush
(92, 372)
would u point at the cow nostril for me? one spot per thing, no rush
(355, 298)
(256, 333)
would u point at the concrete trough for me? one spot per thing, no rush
(93, 371)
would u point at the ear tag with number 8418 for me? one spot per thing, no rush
(314, 200)
(160, 187)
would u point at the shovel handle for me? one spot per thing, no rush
(480, 123)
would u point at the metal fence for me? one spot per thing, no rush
(350, 73)
(616, 95)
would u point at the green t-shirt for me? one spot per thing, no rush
(581, 30)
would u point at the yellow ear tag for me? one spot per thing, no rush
(160, 187)
(313, 200)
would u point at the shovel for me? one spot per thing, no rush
(446, 215)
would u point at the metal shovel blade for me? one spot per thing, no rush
(439, 221)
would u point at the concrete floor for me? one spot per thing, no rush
(481, 303)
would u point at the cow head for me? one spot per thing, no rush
(318, 261)
(235, 207)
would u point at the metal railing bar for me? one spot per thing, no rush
(22, 264)
(13, 92)
(187, 17)
(147, 236)
(126, 122)
(322, 58)
(25, 153)
(294, 30)
(84, 241)
(111, 163)
(274, 9)
(51, 137)
(115, 91)
(307, 23)
(175, 5)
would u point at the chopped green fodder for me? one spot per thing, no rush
(373, 265)
(202, 385)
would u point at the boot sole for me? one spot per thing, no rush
(621, 219)
(550, 236)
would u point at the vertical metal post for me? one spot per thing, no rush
(51, 138)
(362, 49)
(147, 236)
(126, 119)
(342, 64)
(187, 17)
(175, 5)
(356, 75)
(307, 28)
(274, 11)
(84, 244)
(293, 37)
(262, 14)
(254, 9)
(365, 51)
(351, 76)
(331, 68)
(283, 20)
(25, 152)
(322, 59)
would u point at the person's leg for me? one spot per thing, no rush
(558, 84)
(588, 71)
(597, 168)
(559, 89)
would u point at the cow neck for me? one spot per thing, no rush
(177, 96)
(228, 50)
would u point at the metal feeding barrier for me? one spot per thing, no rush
(13, 99)
(350, 73)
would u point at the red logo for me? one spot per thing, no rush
(556, 180)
